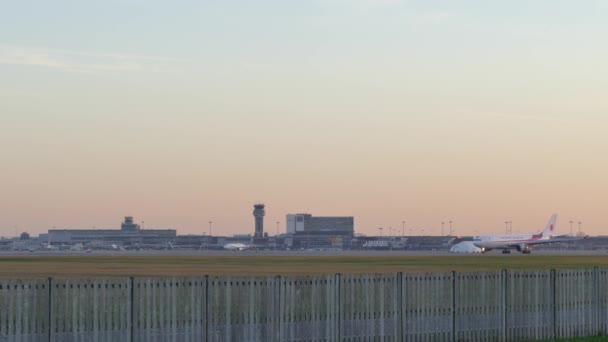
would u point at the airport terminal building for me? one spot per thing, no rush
(307, 231)
(129, 233)
(299, 224)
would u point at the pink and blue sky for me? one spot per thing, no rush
(183, 112)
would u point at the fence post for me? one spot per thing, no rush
(50, 308)
(454, 306)
(337, 307)
(505, 303)
(400, 310)
(554, 298)
(596, 300)
(601, 276)
(277, 308)
(206, 307)
(132, 281)
(282, 300)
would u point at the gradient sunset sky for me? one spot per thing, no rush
(184, 112)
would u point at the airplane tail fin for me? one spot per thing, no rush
(550, 227)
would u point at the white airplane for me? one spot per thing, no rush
(237, 246)
(465, 247)
(47, 246)
(521, 242)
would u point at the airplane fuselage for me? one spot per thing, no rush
(237, 246)
(505, 241)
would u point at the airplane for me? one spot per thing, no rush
(520, 242)
(48, 247)
(77, 247)
(237, 246)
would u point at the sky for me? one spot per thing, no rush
(183, 112)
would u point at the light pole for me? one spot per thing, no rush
(210, 222)
(571, 222)
(403, 229)
(450, 227)
(380, 229)
(579, 227)
(278, 228)
(442, 224)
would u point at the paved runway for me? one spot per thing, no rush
(219, 253)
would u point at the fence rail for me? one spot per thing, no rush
(482, 306)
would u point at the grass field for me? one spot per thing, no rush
(104, 266)
(583, 339)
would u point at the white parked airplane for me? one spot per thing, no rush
(521, 242)
(237, 246)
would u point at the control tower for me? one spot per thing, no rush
(129, 225)
(258, 213)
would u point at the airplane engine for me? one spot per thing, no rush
(465, 247)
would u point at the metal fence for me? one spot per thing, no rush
(453, 306)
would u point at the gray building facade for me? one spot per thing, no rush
(306, 224)
(129, 232)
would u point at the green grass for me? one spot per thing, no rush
(582, 339)
(250, 264)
